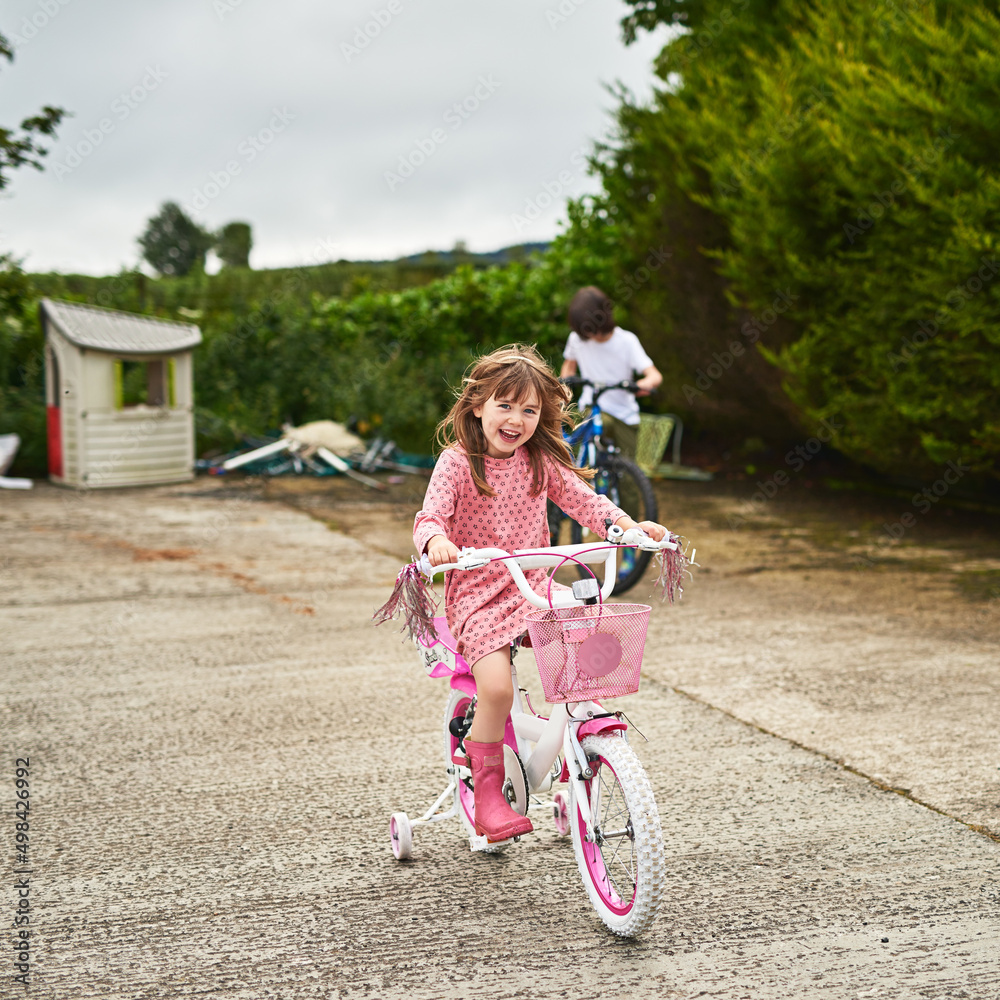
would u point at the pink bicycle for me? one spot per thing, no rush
(586, 650)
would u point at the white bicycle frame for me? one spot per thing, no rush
(560, 732)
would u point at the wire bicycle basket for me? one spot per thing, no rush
(589, 652)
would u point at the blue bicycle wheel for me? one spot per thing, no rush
(624, 484)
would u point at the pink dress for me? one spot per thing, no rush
(485, 610)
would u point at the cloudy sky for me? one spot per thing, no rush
(362, 129)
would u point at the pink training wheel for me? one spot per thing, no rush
(400, 836)
(560, 812)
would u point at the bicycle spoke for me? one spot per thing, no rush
(617, 812)
(622, 866)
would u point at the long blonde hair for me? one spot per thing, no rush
(514, 372)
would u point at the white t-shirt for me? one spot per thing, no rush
(616, 360)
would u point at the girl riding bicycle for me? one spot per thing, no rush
(503, 456)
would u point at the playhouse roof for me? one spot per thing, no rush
(119, 332)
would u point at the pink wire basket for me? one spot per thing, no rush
(589, 652)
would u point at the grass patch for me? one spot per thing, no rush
(979, 585)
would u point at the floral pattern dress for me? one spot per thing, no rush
(484, 608)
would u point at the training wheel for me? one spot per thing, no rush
(560, 812)
(401, 836)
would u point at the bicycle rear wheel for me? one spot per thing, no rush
(624, 484)
(623, 867)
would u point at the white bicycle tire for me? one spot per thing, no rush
(626, 802)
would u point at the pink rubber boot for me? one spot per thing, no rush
(494, 817)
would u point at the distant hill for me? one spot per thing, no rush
(452, 258)
(235, 292)
(129, 289)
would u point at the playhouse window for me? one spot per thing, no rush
(144, 383)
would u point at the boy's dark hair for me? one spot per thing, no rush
(590, 312)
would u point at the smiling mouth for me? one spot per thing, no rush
(510, 436)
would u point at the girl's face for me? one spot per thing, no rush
(507, 423)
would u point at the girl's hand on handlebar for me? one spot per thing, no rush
(441, 551)
(655, 531)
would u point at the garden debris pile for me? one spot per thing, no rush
(319, 448)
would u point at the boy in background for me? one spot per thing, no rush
(603, 352)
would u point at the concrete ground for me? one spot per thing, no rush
(217, 737)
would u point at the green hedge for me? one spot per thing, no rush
(826, 179)
(279, 347)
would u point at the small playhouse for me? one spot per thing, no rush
(119, 396)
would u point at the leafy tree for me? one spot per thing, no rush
(892, 242)
(233, 244)
(172, 243)
(22, 368)
(19, 149)
(657, 201)
(825, 178)
(704, 19)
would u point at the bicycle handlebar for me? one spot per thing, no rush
(601, 387)
(637, 538)
(522, 559)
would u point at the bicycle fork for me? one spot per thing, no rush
(548, 734)
(587, 797)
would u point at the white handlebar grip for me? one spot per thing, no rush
(634, 536)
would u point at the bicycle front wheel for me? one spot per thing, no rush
(622, 866)
(625, 485)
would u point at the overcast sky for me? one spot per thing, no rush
(330, 126)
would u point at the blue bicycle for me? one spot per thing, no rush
(618, 478)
